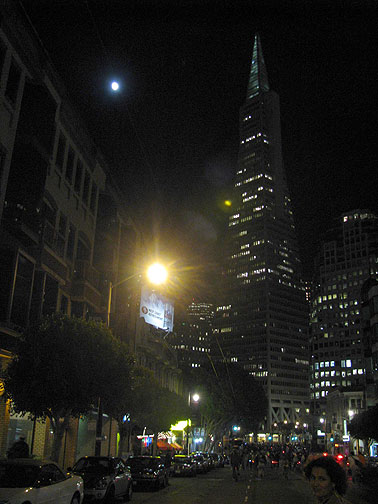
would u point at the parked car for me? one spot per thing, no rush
(217, 460)
(210, 461)
(201, 463)
(105, 478)
(148, 471)
(183, 465)
(38, 482)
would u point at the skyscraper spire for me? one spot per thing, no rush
(258, 77)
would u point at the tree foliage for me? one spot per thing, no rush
(365, 425)
(154, 406)
(60, 369)
(146, 404)
(229, 395)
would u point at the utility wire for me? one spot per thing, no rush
(96, 29)
(227, 368)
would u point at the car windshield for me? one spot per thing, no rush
(17, 476)
(142, 463)
(93, 465)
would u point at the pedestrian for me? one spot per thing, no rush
(168, 459)
(19, 449)
(327, 480)
(235, 460)
(286, 466)
(245, 459)
(261, 463)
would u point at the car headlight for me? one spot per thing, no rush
(101, 484)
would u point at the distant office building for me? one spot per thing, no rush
(262, 322)
(346, 260)
(192, 336)
(369, 299)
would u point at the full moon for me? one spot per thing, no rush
(115, 86)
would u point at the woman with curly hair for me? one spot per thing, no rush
(327, 480)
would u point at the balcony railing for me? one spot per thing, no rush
(83, 271)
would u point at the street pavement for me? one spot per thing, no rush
(218, 487)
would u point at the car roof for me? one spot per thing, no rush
(95, 457)
(27, 461)
(144, 457)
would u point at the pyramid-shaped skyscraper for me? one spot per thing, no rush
(262, 321)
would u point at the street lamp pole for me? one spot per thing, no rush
(192, 398)
(99, 409)
(157, 274)
(323, 421)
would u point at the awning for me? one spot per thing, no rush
(163, 444)
(176, 446)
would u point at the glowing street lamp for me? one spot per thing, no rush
(157, 274)
(195, 398)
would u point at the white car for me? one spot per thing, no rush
(38, 482)
(105, 478)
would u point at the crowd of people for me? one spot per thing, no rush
(259, 456)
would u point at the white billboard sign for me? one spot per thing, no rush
(156, 309)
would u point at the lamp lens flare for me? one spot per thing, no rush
(115, 86)
(157, 274)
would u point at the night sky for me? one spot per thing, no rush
(171, 134)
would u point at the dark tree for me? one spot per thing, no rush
(152, 405)
(229, 395)
(60, 369)
(365, 425)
